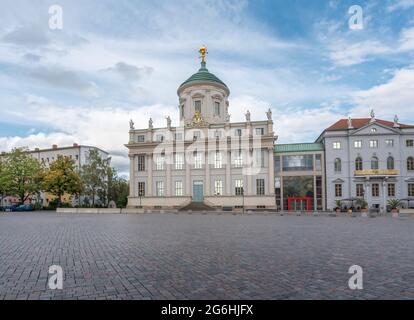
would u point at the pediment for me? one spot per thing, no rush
(378, 127)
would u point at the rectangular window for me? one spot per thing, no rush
(216, 108)
(141, 138)
(336, 145)
(259, 158)
(389, 143)
(198, 161)
(218, 160)
(359, 190)
(217, 134)
(197, 106)
(259, 131)
(160, 188)
(238, 160)
(358, 144)
(373, 143)
(277, 164)
(298, 163)
(411, 189)
(178, 136)
(238, 132)
(260, 187)
(391, 190)
(160, 162)
(409, 143)
(141, 162)
(159, 138)
(318, 162)
(141, 189)
(179, 161)
(182, 111)
(238, 187)
(178, 188)
(375, 190)
(196, 135)
(338, 190)
(218, 187)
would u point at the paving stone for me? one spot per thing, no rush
(211, 256)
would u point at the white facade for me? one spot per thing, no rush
(370, 159)
(207, 158)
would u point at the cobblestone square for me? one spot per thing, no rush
(196, 256)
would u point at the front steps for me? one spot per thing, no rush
(197, 206)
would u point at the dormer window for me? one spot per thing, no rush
(197, 106)
(216, 108)
(373, 130)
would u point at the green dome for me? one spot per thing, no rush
(203, 75)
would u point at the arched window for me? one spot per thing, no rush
(358, 163)
(410, 163)
(374, 163)
(390, 163)
(338, 165)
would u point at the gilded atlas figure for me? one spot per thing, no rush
(198, 119)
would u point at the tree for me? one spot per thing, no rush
(61, 178)
(95, 175)
(118, 189)
(22, 174)
(4, 180)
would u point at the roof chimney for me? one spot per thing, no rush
(37, 149)
(75, 145)
(54, 146)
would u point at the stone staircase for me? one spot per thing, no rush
(197, 206)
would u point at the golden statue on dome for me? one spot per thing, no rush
(203, 52)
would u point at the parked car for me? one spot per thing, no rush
(25, 207)
(9, 208)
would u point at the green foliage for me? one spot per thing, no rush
(118, 189)
(362, 203)
(95, 176)
(20, 174)
(338, 203)
(394, 203)
(61, 178)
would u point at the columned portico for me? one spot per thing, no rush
(215, 167)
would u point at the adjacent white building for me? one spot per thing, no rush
(78, 153)
(206, 159)
(369, 158)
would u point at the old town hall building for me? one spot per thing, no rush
(208, 160)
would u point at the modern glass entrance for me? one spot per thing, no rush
(299, 204)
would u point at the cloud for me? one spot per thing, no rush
(57, 77)
(39, 140)
(347, 54)
(130, 72)
(396, 96)
(35, 35)
(400, 5)
(406, 40)
(27, 36)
